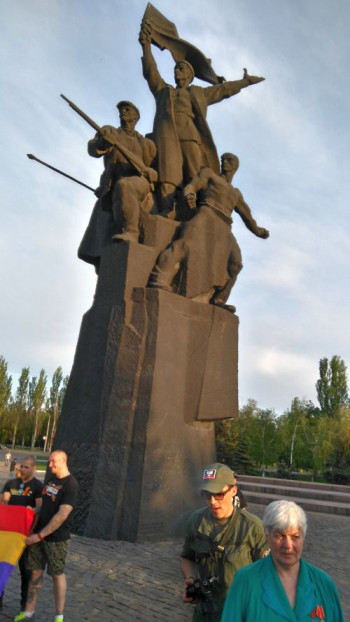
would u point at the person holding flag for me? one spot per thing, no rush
(49, 543)
(23, 491)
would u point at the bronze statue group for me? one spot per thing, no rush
(173, 173)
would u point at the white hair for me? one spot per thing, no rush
(284, 514)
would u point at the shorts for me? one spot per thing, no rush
(52, 554)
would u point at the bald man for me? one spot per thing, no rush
(48, 545)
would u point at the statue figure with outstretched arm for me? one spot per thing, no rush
(181, 133)
(218, 198)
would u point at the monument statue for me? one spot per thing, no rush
(180, 130)
(155, 363)
(127, 179)
(212, 223)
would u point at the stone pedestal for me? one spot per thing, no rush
(152, 371)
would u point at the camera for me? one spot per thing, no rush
(201, 588)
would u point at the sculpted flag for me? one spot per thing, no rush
(165, 36)
(15, 523)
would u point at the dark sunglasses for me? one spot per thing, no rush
(217, 495)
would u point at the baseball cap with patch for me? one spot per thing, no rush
(216, 476)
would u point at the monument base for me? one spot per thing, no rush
(152, 371)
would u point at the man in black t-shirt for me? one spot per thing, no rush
(48, 545)
(25, 491)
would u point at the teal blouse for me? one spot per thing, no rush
(257, 595)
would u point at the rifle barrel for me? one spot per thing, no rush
(82, 113)
(57, 170)
(131, 157)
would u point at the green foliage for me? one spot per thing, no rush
(21, 404)
(232, 448)
(294, 452)
(5, 386)
(5, 399)
(57, 392)
(248, 441)
(332, 386)
(37, 396)
(24, 416)
(258, 427)
(337, 468)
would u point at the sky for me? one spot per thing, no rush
(291, 133)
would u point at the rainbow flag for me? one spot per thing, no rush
(15, 523)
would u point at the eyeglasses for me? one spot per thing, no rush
(217, 495)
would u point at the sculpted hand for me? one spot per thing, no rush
(107, 134)
(191, 200)
(251, 79)
(145, 33)
(263, 233)
(151, 175)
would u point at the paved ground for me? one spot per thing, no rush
(121, 581)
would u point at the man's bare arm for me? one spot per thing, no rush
(56, 521)
(244, 211)
(197, 183)
(5, 497)
(188, 569)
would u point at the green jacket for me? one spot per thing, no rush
(246, 544)
(257, 595)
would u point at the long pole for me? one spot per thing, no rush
(32, 157)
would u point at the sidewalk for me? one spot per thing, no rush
(121, 581)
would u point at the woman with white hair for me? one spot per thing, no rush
(282, 586)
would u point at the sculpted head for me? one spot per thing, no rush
(183, 73)
(229, 162)
(129, 114)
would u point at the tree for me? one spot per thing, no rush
(231, 447)
(21, 402)
(338, 463)
(294, 452)
(263, 446)
(249, 439)
(57, 392)
(37, 394)
(5, 388)
(319, 435)
(332, 386)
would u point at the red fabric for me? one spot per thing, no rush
(16, 518)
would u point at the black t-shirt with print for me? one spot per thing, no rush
(57, 492)
(23, 493)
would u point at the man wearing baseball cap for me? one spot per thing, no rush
(220, 539)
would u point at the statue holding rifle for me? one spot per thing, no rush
(125, 184)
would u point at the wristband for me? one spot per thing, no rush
(40, 537)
